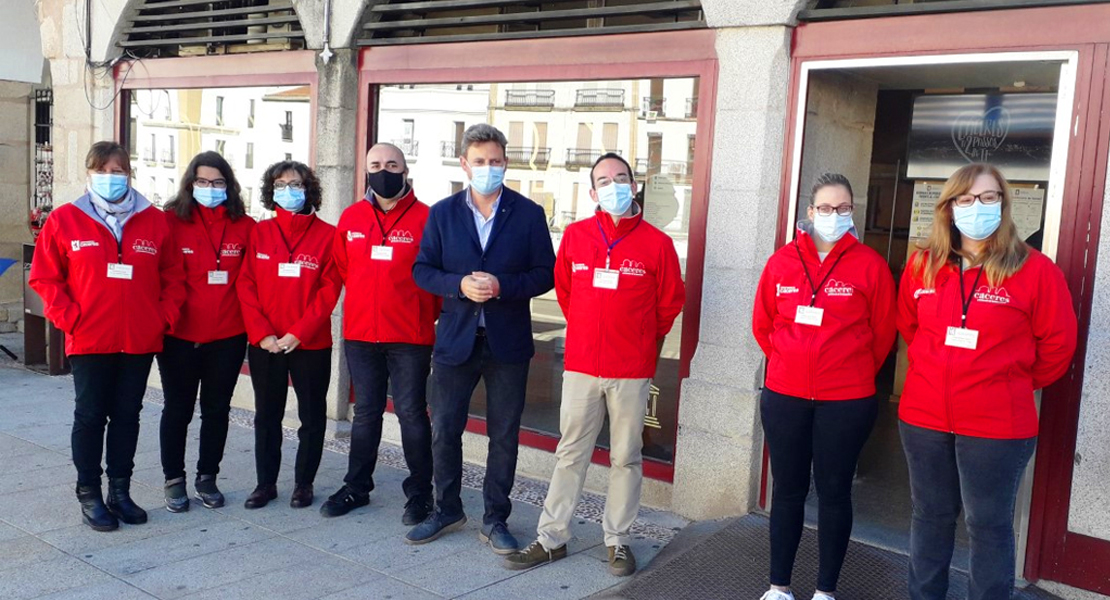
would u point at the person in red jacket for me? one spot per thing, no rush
(988, 320)
(206, 347)
(288, 287)
(388, 332)
(618, 281)
(109, 278)
(824, 317)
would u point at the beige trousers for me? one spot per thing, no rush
(585, 401)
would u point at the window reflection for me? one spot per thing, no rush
(556, 130)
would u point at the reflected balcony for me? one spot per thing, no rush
(286, 132)
(409, 148)
(677, 171)
(584, 157)
(653, 108)
(521, 156)
(692, 108)
(530, 99)
(599, 100)
(450, 149)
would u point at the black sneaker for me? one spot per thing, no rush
(207, 492)
(177, 499)
(343, 502)
(416, 510)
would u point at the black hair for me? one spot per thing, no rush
(182, 203)
(607, 156)
(312, 192)
(830, 179)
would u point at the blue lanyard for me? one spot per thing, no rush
(610, 245)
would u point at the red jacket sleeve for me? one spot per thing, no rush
(172, 269)
(763, 314)
(563, 275)
(1054, 326)
(258, 326)
(49, 272)
(339, 251)
(672, 292)
(907, 304)
(318, 313)
(883, 311)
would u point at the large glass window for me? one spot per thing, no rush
(556, 130)
(252, 127)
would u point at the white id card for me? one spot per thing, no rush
(958, 337)
(606, 278)
(289, 270)
(217, 278)
(809, 315)
(382, 253)
(119, 271)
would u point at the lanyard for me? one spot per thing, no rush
(965, 302)
(303, 236)
(219, 247)
(610, 245)
(816, 288)
(381, 226)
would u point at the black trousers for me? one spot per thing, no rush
(185, 367)
(109, 395)
(310, 371)
(827, 437)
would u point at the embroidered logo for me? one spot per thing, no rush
(186, 250)
(232, 249)
(76, 245)
(576, 267)
(262, 256)
(923, 292)
(398, 236)
(355, 235)
(781, 289)
(632, 267)
(308, 262)
(145, 247)
(839, 289)
(992, 295)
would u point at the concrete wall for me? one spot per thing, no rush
(15, 180)
(840, 125)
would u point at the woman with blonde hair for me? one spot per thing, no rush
(988, 320)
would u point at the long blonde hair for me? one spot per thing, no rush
(1004, 251)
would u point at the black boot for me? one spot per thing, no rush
(120, 503)
(93, 511)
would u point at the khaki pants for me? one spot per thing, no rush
(581, 415)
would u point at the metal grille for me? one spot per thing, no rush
(197, 27)
(832, 10)
(43, 194)
(429, 21)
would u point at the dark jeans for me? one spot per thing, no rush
(402, 370)
(826, 436)
(109, 389)
(214, 368)
(980, 475)
(452, 387)
(310, 371)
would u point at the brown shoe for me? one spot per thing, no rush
(261, 496)
(621, 561)
(533, 556)
(302, 496)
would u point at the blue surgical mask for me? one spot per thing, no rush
(486, 178)
(210, 197)
(978, 221)
(615, 198)
(108, 186)
(290, 199)
(831, 227)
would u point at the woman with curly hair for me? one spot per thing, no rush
(287, 288)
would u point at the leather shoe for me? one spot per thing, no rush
(120, 503)
(416, 510)
(499, 539)
(434, 527)
(261, 496)
(302, 496)
(343, 502)
(93, 511)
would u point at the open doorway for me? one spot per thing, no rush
(897, 128)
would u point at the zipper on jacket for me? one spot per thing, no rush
(947, 390)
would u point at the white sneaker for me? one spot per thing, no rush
(820, 596)
(773, 594)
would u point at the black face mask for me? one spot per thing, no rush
(386, 184)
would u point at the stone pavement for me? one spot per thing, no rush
(274, 552)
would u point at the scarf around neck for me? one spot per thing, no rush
(114, 213)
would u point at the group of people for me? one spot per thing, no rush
(987, 321)
(437, 299)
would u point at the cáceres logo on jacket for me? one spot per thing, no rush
(76, 245)
(633, 267)
(307, 261)
(232, 249)
(781, 289)
(145, 247)
(400, 236)
(991, 295)
(839, 289)
(355, 235)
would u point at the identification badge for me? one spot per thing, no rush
(809, 315)
(958, 337)
(606, 278)
(119, 271)
(289, 270)
(217, 278)
(382, 253)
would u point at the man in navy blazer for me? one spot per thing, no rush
(487, 252)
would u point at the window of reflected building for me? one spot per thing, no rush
(251, 127)
(555, 132)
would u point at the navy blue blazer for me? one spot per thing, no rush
(519, 253)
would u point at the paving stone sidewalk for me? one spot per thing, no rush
(272, 553)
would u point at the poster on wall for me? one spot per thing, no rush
(1027, 209)
(1010, 131)
(925, 196)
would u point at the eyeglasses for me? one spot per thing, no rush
(965, 200)
(825, 210)
(201, 182)
(604, 181)
(281, 185)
